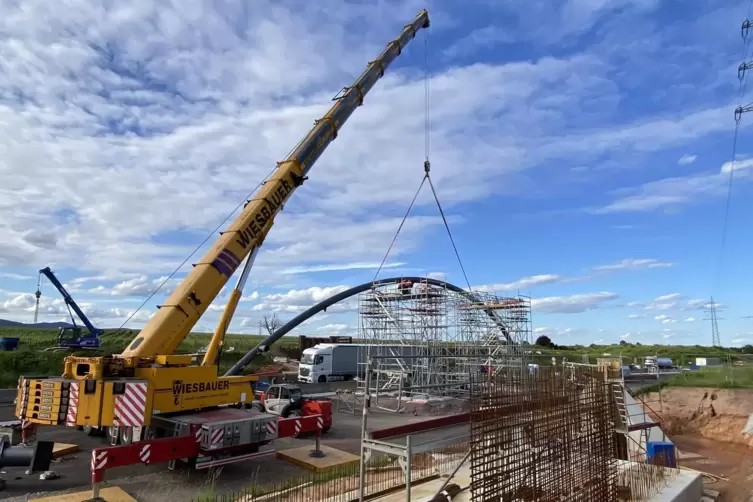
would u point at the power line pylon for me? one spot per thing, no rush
(711, 311)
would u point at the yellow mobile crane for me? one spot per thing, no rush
(147, 384)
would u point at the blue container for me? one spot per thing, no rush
(658, 449)
(9, 343)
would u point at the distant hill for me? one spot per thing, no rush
(4, 323)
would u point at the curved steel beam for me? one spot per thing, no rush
(264, 346)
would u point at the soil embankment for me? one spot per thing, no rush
(713, 431)
(718, 414)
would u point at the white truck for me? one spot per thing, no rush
(329, 362)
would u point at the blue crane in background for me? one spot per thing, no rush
(70, 337)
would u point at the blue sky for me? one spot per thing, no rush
(578, 148)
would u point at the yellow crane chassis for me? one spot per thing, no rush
(128, 401)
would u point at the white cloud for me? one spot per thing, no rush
(687, 159)
(523, 283)
(670, 193)
(739, 165)
(689, 319)
(341, 266)
(139, 286)
(635, 316)
(486, 37)
(625, 335)
(669, 297)
(335, 328)
(665, 319)
(556, 333)
(571, 304)
(298, 300)
(21, 301)
(250, 298)
(18, 277)
(674, 301)
(635, 264)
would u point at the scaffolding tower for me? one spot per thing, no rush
(426, 339)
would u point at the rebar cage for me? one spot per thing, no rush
(542, 434)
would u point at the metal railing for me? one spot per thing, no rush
(385, 473)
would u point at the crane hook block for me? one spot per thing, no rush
(427, 166)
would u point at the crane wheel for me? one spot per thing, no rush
(92, 431)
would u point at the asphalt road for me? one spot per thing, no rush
(7, 396)
(146, 485)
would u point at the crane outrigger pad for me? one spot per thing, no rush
(332, 459)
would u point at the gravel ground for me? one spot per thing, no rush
(156, 483)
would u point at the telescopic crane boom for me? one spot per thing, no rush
(174, 320)
(70, 302)
(148, 382)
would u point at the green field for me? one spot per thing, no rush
(30, 359)
(719, 377)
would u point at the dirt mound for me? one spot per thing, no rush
(719, 414)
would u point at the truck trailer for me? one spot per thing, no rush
(332, 362)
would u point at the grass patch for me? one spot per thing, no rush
(31, 359)
(720, 377)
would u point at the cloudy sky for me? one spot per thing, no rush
(581, 150)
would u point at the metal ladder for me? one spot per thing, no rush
(618, 392)
(394, 380)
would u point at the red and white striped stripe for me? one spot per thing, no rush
(145, 453)
(99, 460)
(130, 407)
(199, 434)
(272, 427)
(297, 426)
(320, 422)
(217, 436)
(24, 395)
(70, 417)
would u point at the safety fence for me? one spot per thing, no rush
(383, 474)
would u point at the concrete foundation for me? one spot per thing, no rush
(332, 458)
(686, 487)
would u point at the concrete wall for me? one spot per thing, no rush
(686, 487)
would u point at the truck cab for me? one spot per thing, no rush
(283, 400)
(315, 365)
